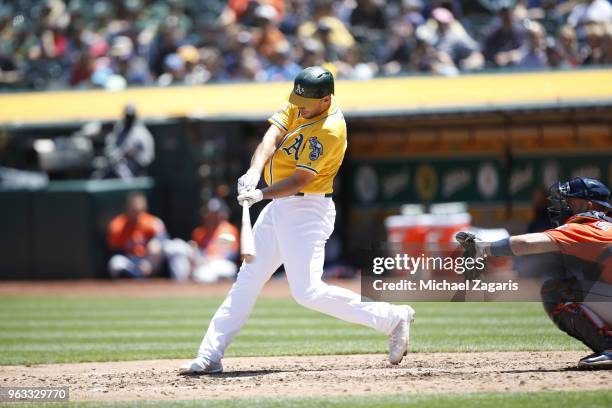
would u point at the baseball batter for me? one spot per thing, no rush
(300, 155)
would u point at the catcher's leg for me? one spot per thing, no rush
(561, 302)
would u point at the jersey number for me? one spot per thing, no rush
(295, 147)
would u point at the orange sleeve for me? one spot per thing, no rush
(153, 227)
(567, 234)
(574, 232)
(198, 235)
(115, 240)
(584, 241)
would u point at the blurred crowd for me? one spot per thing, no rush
(54, 44)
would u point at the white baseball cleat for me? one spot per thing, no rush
(399, 339)
(201, 366)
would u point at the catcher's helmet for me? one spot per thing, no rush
(579, 187)
(311, 85)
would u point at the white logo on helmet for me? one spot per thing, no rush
(564, 188)
(299, 89)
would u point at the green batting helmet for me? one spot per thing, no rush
(311, 85)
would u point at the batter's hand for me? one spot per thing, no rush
(248, 181)
(251, 197)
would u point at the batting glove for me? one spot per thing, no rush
(248, 181)
(250, 197)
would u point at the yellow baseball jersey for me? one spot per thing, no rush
(317, 144)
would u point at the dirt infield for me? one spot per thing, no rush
(275, 288)
(421, 373)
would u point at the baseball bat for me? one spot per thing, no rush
(247, 240)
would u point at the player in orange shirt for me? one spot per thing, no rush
(136, 240)
(217, 243)
(578, 298)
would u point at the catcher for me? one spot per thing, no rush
(578, 294)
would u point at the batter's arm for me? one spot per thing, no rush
(266, 148)
(289, 186)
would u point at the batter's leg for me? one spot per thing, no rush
(237, 306)
(303, 226)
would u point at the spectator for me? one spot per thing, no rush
(398, 47)
(411, 11)
(127, 63)
(266, 35)
(353, 67)
(449, 36)
(82, 70)
(324, 14)
(550, 13)
(135, 239)
(122, 63)
(369, 14)
(195, 72)
(533, 52)
(113, 44)
(297, 12)
(608, 44)
(169, 38)
(312, 53)
(333, 51)
(593, 52)
(502, 45)
(243, 11)
(174, 71)
(555, 57)
(212, 65)
(250, 67)
(425, 58)
(590, 11)
(568, 42)
(9, 74)
(234, 40)
(282, 67)
(129, 148)
(217, 243)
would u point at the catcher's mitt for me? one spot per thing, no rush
(470, 251)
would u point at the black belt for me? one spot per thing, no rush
(302, 194)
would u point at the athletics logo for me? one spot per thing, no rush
(295, 146)
(316, 148)
(299, 89)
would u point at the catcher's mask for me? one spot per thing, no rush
(580, 187)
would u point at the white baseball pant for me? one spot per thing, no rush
(292, 231)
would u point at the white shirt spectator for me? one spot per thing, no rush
(591, 11)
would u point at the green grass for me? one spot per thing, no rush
(591, 399)
(51, 330)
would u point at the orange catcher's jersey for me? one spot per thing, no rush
(588, 238)
(317, 145)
